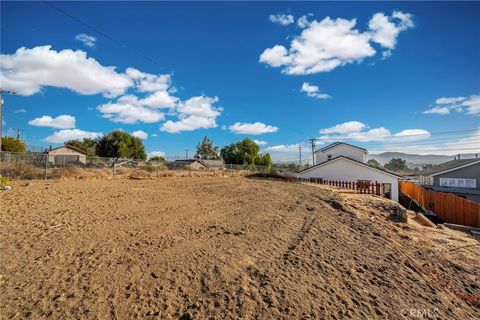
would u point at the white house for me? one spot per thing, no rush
(338, 149)
(351, 167)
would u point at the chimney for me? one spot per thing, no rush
(459, 156)
(50, 148)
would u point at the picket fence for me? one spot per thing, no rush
(364, 187)
(447, 206)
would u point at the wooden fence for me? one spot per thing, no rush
(364, 187)
(448, 207)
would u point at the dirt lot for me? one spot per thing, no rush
(224, 248)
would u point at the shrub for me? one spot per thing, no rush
(4, 182)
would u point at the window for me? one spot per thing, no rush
(459, 183)
(329, 157)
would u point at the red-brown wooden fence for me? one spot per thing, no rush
(448, 207)
(364, 187)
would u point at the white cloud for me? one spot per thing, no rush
(140, 134)
(156, 153)
(282, 19)
(260, 142)
(449, 100)
(472, 105)
(20, 111)
(27, 71)
(463, 145)
(128, 109)
(147, 82)
(283, 148)
(411, 135)
(64, 121)
(70, 134)
(256, 128)
(87, 40)
(469, 105)
(385, 29)
(438, 110)
(358, 131)
(303, 21)
(159, 100)
(195, 113)
(327, 44)
(313, 91)
(154, 135)
(346, 127)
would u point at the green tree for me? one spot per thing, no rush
(206, 150)
(396, 164)
(12, 144)
(157, 158)
(374, 163)
(120, 144)
(264, 160)
(87, 144)
(242, 152)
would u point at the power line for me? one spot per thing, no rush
(398, 137)
(106, 36)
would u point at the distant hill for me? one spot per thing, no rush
(414, 160)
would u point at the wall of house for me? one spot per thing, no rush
(197, 166)
(344, 170)
(470, 172)
(341, 150)
(66, 152)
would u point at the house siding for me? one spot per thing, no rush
(66, 152)
(470, 172)
(345, 170)
(340, 150)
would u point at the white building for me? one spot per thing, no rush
(344, 162)
(338, 149)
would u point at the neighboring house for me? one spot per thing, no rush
(460, 177)
(338, 149)
(214, 164)
(345, 162)
(66, 155)
(191, 164)
(345, 169)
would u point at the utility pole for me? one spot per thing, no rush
(300, 155)
(186, 154)
(312, 142)
(1, 107)
(18, 132)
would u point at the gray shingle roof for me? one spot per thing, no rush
(447, 166)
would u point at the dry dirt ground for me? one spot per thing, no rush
(224, 248)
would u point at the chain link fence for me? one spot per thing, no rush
(37, 165)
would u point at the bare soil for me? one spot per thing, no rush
(224, 248)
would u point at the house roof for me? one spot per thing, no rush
(449, 166)
(337, 144)
(213, 162)
(352, 160)
(187, 161)
(69, 147)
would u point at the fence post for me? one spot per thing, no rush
(113, 167)
(46, 165)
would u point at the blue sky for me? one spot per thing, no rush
(387, 76)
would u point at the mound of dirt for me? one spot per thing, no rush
(224, 248)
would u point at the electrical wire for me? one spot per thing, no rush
(103, 34)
